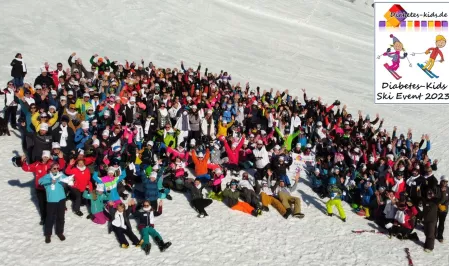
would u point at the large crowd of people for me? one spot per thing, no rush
(121, 137)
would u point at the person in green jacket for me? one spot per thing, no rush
(97, 198)
(288, 139)
(169, 136)
(100, 64)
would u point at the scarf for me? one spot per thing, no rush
(81, 168)
(71, 114)
(185, 124)
(64, 135)
(163, 112)
(169, 131)
(397, 183)
(24, 67)
(389, 210)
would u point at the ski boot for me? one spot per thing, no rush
(161, 244)
(330, 214)
(265, 209)
(287, 213)
(147, 249)
(299, 215)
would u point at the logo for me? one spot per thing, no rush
(398, 18)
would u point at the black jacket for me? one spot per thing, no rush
(430, 208)
(194, 191)
(44, 80)
(126, 214)
(56, 136)
(17, 69)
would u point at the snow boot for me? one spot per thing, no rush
(47, 239)
(413, 236)
(201, 215)
(440, 240)
(124, 246)
(160, 243)
(61, 237)
(287, 213)
(330, 214)
(265, 209)
(147, 249)
(79, 213)
(343, 219)
(89, 216)
(139, 244)
(298, 215)
(42, 222)
(168, 197)
(427, 250)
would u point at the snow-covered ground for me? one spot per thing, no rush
(325, 46)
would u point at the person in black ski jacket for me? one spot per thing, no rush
(18, 70)
(145, 218)
(442, 208)
(44, 78)
(196, 192)
(430, 217)
(121, 225)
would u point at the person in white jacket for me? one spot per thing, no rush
(262, 159)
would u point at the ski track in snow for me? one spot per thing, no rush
(324, 46)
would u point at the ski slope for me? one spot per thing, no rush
(325, 46)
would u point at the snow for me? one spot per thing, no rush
(325, 46)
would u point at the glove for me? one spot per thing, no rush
(405, 54)
(337, 103)
(388, 50)
(171, 143)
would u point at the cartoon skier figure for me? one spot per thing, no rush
(440, 42)
(396, 55)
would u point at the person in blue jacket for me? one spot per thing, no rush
(82, 135)
(55, 201)
(366, 193)
(150, 185)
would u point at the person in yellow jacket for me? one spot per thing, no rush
(83, 104)
(223, 127)
(38, 118)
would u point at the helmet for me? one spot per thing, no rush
(17, 161)
(332, 181)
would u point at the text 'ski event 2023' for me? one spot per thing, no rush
(411, 52)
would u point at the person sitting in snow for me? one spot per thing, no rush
(121, 225)
(231, 198)
(285, 196)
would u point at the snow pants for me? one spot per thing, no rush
(243, 207)
(76, 198)
(249, 196)
(429, 64)
(200, 204)
(55, 209)
(120, 234)
(441, 219)
(147, 232)
(42, 201)
(269, 200)
(429, 231)
(337, 203)
(288, 200)
(100, 218)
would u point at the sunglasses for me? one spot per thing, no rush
(146, 205)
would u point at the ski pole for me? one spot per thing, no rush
(378, 57)
(410, 64)
(413, 54)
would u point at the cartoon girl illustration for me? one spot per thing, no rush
(396, 55)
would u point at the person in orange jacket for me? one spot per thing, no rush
(200, 161)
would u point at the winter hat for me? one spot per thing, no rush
(440, 38)
(111, 169)
(218, 171)
(394, 38)
(151, 143)
(200, 155)
(70, 93)
(100, 187)
(263, 132)
(52, 107)
(85, 125)
(444, 178)
(153, 174)
(96, 142)
(46, 153)
(277, 147)
(107, 113)
(38, 86)
(281, 158)
(86, 95)
(156, 167)
(309, 146)
(234, 145)
(132, 99)
(43, 126)
(55, 145)
(105, 132)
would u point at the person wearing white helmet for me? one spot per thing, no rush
(442, 207)
(200, 161)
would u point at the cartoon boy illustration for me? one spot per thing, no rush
(396, 55)
(440, 42)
